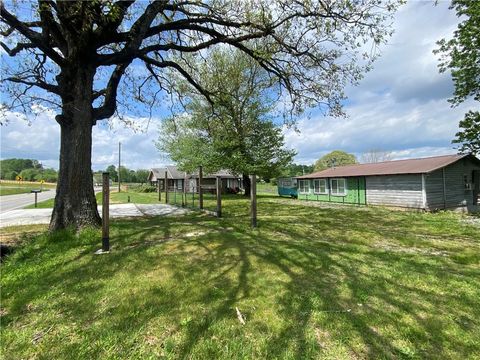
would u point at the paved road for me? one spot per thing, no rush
(42, 216)
(18, 201)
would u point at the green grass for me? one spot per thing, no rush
(16, 187)
(142, 198)
(10, 190)
(267, 188)
(340, 283)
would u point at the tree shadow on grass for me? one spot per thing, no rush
(184, 277)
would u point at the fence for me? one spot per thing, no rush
(191, 199)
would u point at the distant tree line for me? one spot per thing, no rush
(335, 158)
(27, 169)
(126, 175)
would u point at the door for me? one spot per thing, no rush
(476, 186)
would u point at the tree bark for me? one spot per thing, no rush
(75, 203)
(246, 184)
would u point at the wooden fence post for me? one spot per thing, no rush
(106, 213)
(253, 198)
(166, 187)
(200, 190)
(184, 194)
(159, 190)
(219, 196)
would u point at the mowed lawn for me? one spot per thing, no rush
(311, 282)
(13, 188)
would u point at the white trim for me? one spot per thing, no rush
(344, 188)
(319, 192)
(299, 186)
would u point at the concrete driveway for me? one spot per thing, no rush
(42, 216)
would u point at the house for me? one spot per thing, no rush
(177, 178)
(230, 182)
(440, 182)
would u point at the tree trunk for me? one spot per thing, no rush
(246, 184)
(75, 203)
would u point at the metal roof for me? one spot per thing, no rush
(223, 173)
(409, 166)
(174, 173)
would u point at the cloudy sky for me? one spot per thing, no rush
(400, 106)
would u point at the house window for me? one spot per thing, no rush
(179, 184)
(304, 186)
(320, 186)
(338, 187)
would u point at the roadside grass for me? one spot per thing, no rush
(11, 190)
(333, 283)
(141, 198)
(16, 187)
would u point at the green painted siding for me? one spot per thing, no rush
(356, 193)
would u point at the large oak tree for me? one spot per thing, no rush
(85, 56)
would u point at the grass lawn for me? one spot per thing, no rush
(16, 187)
(12, 190)
(115, 198)
(333, 283)
(267, 188)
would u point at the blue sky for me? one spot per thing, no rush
(400, 106)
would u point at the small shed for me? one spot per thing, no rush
(440, 182)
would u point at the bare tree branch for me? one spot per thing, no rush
(183, 72)
(110, 102)
(35, 37)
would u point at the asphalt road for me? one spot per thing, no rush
(18, 201)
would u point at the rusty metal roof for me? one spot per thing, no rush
(409, 166)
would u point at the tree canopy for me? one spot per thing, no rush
(28, 169)
(335, 158)
(461, 55)
(90, 59)
(234, 129)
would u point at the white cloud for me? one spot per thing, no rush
(39, 138)
(401, 105)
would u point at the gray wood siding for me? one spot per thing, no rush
(456, 195)
(434, 189)
(395, 190)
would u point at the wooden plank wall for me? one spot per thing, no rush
(456, 195)
(395, 190)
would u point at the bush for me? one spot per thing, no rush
(148, 189)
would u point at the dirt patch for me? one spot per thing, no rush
(472, 220)
(195, 234)
(410, 250)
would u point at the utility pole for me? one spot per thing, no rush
(118, 172)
